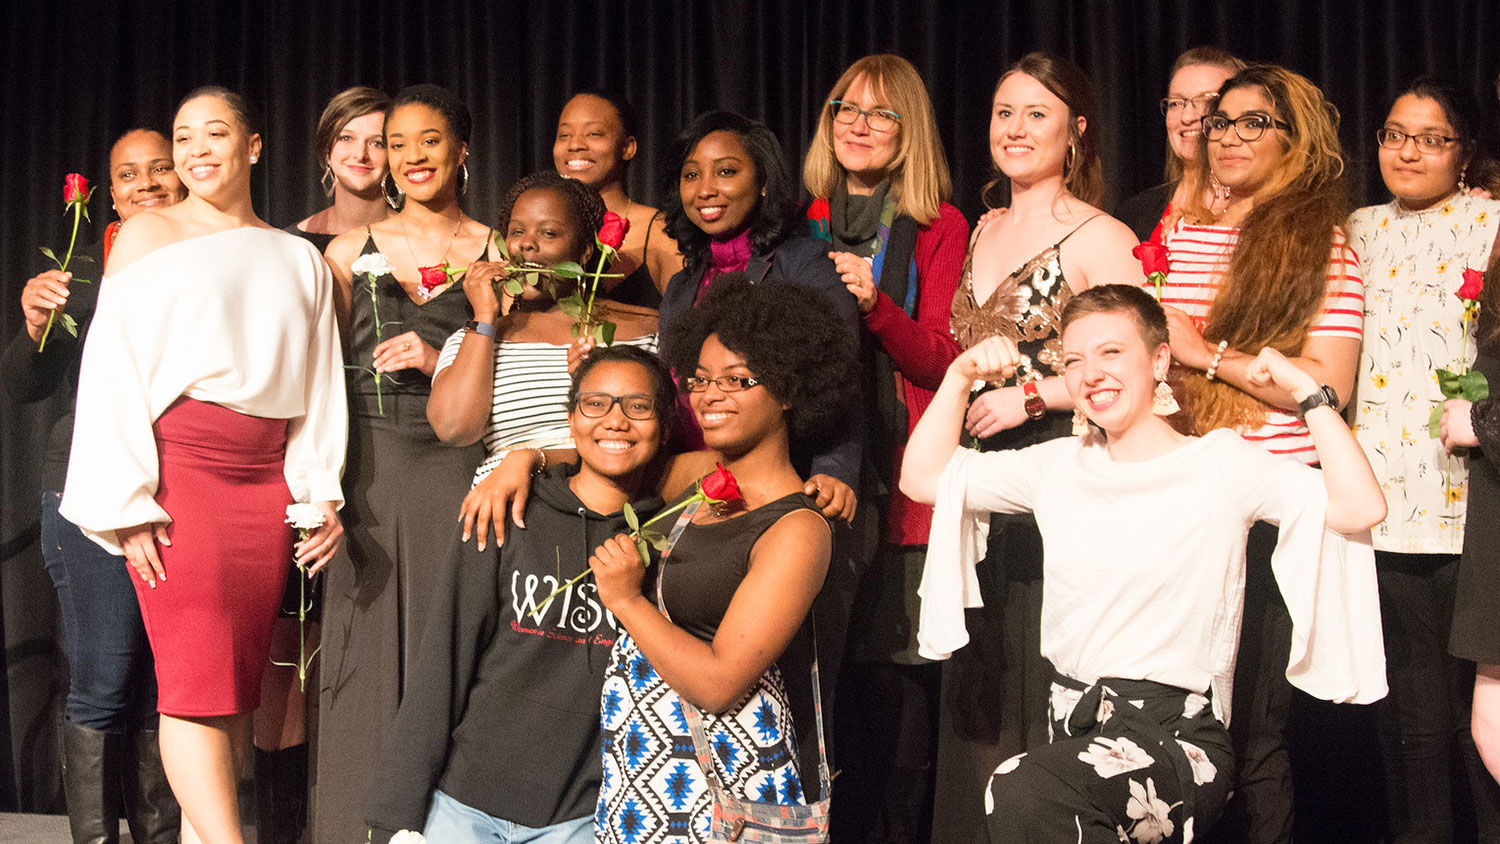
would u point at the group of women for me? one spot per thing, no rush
(635, 591)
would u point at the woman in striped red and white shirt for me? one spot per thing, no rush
(1272, 268)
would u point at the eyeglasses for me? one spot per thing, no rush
(878, 119)
(1249, 126)
(1201, 104)
(634, 406)
(1430, 144)
(725, 383)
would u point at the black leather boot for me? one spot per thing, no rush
(151, 809)
(91, 781)
(280, 795)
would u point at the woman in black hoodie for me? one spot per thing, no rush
(498, 734)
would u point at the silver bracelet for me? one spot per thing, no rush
(1213, 368)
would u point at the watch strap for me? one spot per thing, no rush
(485, 328)
(1324, 395)
(1033, 403)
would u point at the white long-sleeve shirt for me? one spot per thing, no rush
(241, 318)
(1144, 567)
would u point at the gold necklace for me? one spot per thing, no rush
(443, 260)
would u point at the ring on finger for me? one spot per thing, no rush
(406, 347)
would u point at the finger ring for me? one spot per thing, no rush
(406, 347)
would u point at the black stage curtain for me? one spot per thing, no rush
(74, 75)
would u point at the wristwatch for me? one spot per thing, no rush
(1324, 395)
(1034, 405)
(485, 328)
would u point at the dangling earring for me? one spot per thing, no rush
(1163, 403)
(1080, 423)
(1070, 160)
(328, 181)
(394, 200)
(463, 178)
(1220, 191)
(1463, 187)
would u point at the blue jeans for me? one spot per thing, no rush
(451, 822)
(111, 674)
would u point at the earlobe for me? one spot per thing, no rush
(630, 149)
(1083, 125)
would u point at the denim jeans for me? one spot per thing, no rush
(111, 675)
(451, 822)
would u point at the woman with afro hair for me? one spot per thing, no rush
(724, 632)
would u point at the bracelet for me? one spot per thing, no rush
(537, 470)
(485, 328)
(1213, 368)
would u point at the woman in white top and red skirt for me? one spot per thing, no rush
(211, 397)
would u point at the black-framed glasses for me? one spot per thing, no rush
(1178, 105)
(1249, 126)
(634, 405)
(1430, 144)
(878, 119)
(725, 383)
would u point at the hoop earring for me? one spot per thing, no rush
(1070, 160)
(395, 200)
(1163, 403)
(328, 181)
(463, 178)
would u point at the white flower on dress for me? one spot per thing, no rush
(1187, 831)
(1193, 705)
(1203, 769)
(1149, 812)
(1005, 767)
(304, 516)
(407, 836)
(372, 264)
(1062, 702)
(1106, 709)
(1120, 831)
(1112, 757)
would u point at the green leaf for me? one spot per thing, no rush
(70, 324)
(48, 253)
(77, 280)
(1434, 420)
(604, 333)
(657, 541)
(1448, 383)
(640, 547)
(514, 287)
(86, 209)
(84, 258)
(631, 518)
(567, 269)
(572, 305)
(1474, 386)
(500, 246)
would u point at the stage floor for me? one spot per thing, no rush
(53, 829)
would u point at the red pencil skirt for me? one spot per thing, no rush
(209, 621)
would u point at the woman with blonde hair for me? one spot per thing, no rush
(880, 183)
(1270, 267)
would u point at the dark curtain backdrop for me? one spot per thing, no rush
(75, 75)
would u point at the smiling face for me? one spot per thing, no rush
(542, 231)
(1420, 179)
(717, 185)
(1184, 124)
(1240, 165)
(141, 175)
(211, 148)
(422, 152)
(865, 154)
(1110, 373)
(733, 422)
(614, 445)
(591, 145)
(1029, 129)
(358, 155)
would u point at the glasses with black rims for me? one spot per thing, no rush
(725, 383)
(878, 119)
(634, 405)
(1428, 143)
(1248, 127)
(1179, 105)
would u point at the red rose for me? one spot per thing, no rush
(612, 233)
(1153, 257)
(1473, 285)
(433, 277)
(75, 188)
(720, 485)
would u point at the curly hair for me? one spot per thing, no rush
(789, 336)
(439, 99)
(583, 202)
(770, 223)
(663, 388)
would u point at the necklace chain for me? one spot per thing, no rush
(443, 259)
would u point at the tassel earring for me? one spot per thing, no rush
(1080, 423)
(1163, 403)
(1463, 187)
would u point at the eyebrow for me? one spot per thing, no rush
(205, 123)
(433, 129)
(1440, 130)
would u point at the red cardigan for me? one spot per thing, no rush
(920, 348)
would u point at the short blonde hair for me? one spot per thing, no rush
(919, 173)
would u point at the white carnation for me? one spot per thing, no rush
(373, 263)
(407, 836)
(304, 516)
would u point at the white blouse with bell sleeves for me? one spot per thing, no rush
(242, 318)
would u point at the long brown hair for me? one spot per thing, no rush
(1277, 279)
(1084, 177)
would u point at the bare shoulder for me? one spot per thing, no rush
(1103, 229)
(143, 234)
(684, 470)
(801, 533)
(632, 321)
(344, 250)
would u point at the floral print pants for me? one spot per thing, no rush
(1129, 760)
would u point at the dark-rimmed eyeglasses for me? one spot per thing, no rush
(1430, 144)
(1249, 126)
(634, 405)
(878, 119)
(725, 383)
(1178, 105)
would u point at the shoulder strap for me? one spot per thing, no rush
(1077, 227)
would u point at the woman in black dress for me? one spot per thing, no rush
(351, 150)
